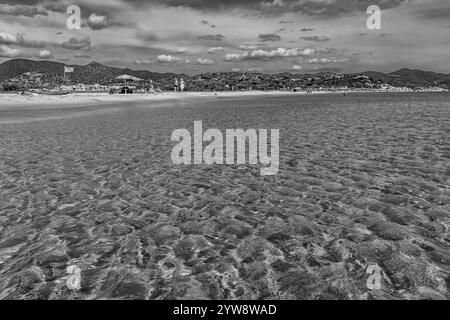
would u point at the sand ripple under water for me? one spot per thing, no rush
(364, 180)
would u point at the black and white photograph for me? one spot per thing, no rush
(257, 151)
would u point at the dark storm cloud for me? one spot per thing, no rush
(207, 23)
(32, 8)
(269, 37)
(315, 39)
(325, 8)
(336, 8)
(23, 2)
(212, 37)
(329, 51)
(441, 12)
(82, 56)
(76, 44)
(148, 36)
(54, 5)
(22, 10)
(205, 5)
(145, 29)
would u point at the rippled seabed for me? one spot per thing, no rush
(364, 180)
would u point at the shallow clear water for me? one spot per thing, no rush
(364, 180)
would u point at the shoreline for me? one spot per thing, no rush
(97, 99)
(16, 109)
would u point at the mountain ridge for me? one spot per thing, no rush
(90, 73)
(95, 72)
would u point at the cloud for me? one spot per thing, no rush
(202, 5)
(82, 56)
(315, 39)
(269, 37)
(144, 29)
(328, 51)
(207, 23)
(248, 47)
(168, 59)
(327, 60)
(76, 44)
(22, 10)
(269, 54)
(205, 61)
(326, 8)
(45, 54)
(7, 52)
(96, 22)
(214, 37)
(323, 8)
(434, 12)
(234, 56)
(296, 68)
(6, 38)
(143, 62)
(19, 40)
(215, 50)
(148, 36)
(345, 7)
(273, 4)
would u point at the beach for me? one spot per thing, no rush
(16, 108)
(10, 100)
(74, 99)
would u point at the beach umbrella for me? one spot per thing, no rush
(128, 78)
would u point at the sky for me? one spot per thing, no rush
(229, 35)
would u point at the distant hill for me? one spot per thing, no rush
(91, 73)
(13, 68)
(419, 76)
(411, 78)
